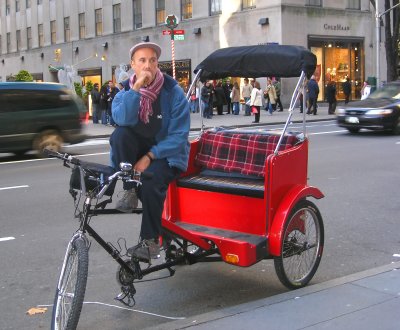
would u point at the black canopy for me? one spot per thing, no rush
(258, 61)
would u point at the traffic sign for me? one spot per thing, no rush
(179, 31)
(179, 37)
(166, 32)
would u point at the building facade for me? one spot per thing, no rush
(94, 36)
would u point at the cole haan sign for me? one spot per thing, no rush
(336, 27)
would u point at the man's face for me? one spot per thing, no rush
(145, 59)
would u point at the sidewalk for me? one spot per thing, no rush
(99, 130)
(366, 300)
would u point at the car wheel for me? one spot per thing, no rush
(48, 139)
(396, 128)
(353, 129)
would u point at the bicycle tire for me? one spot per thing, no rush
(302, 246)
(71, 287)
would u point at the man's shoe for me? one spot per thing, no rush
(147, 249)
(128, 202)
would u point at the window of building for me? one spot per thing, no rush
(67, 30)
(18, 35)
(117, 18)
(17, 6)
(98, 17)
(314, 3)
(160, 12)
(248, 4)
(353, 4)
(7, 7)
(137, 14)
(82, 26)
(39, 2)
(29, 38)
(40, 35)
(215, 7)
(8, 42)
(53, 32)
(186, 9)
(28, 3)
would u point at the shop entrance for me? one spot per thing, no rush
(336, 61)
(182, 72)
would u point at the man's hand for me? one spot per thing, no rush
(142, 164)
(143, 79)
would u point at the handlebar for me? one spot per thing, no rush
(126, 173)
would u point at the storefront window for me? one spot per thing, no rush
(337, 61)
(182, 71)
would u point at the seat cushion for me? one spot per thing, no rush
(242, 153)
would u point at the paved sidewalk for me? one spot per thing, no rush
(99, 130)
(368, 300)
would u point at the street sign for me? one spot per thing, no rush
(179, 37)
(168, 32)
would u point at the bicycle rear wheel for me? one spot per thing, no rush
(71, 286)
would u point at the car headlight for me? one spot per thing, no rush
(340, 112)
(381, 112)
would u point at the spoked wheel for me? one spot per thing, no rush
(302, 245)
(71, 286)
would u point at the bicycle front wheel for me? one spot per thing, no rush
(71, 286)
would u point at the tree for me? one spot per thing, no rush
(391, 37)
(23, 75)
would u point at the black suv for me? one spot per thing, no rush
(34, 116)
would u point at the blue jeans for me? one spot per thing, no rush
(235, 108)
(127, 146)
(204, 108)
(246, 107)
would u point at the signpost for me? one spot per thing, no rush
(171, 21)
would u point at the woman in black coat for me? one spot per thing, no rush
(219, 98)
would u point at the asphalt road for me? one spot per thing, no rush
(358, 174)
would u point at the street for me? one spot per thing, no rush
(357, 173)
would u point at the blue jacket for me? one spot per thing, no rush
(172, 139)
(313, 89)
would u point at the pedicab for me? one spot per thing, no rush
(243, 199)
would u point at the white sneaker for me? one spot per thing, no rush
(128, 202)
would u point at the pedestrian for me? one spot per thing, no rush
(346, 90)
(277, 85)
(111, 92)
(331, 97)
(270, 94)
(219, 98)
(192, 100)
(227, 86)
(256, 101)
(104, 103)
(235, 98)
(205, 95)
(365, 90)
(95, 96)
(312, 91)
(246, 92)
(152, 134)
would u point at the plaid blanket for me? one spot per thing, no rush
(242, 153)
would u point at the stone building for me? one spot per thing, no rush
(94, 36)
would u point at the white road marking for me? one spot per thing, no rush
(3, 239)
(125, 308)
(90, 142)
(14, 187)
(44, 159)
(320, 133)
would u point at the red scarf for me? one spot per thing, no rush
(148, 95)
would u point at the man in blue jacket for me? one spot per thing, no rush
(313, 91)
(153, 121)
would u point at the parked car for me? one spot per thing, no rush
(35, 116)
(380, 111)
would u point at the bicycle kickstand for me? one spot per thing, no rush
(126, 295)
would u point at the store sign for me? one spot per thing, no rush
(336, 27)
